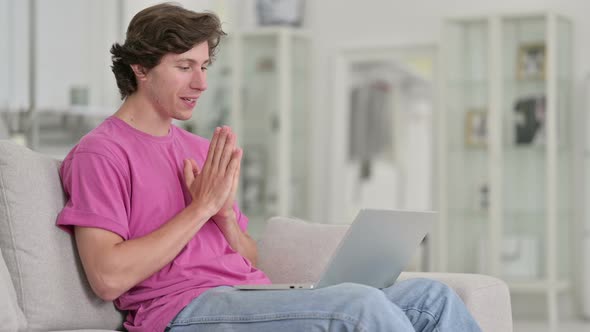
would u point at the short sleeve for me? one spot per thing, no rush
(98, 194)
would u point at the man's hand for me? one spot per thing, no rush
(216, 184)
(227, 210)
(224, 216)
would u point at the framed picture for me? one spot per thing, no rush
(280, 12)
(476, 128)
(531, 61)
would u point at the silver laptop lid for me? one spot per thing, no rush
(377, 247)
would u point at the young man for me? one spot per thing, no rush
(153, 213)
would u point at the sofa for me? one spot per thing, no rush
(42, 283)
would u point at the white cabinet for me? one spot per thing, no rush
(259, 85)
(506, 149)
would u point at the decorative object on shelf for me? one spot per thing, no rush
(79, 95)
(280, 12)
(530, 120)
(265, 65)
(531, 61)
(253, 178)
(476, 128)
(484, 196)
(519, 257)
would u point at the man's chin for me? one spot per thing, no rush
(184, 115)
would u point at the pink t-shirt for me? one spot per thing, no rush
(129, 182)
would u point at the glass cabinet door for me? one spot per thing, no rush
(259, 126)
(300, 127)
(467, 160)
(565, 171)
(536, 165)
(524, 143)
(214, 105)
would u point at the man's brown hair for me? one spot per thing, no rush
(156, 31)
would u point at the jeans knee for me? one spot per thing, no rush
(431, 305)
(369, 301)
(430, 286)
(361, 293)
(428, 293)
(361, 300)
(372, 308)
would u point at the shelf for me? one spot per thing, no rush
(508, 82)
(459, 83)
(521, 212)
(535, 286)
(508, 149)
(538, 149)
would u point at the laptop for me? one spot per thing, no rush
(376, 248)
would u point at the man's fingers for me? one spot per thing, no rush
(219, 147)
(196, 169)
(212, 146)
(234, 163)
(228, 150)
(237, 173)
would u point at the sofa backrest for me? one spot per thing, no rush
(49, 280)
(292, 250)
(11, 317)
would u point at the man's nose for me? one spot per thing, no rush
(199, 80)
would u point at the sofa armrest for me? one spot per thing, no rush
(487, 298)
(292, 251)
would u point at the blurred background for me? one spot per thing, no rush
(475, 109)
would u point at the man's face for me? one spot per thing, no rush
(175, 84)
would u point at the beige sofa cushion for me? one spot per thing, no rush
(306, 246)
(486, 297)
(11, 317)
(50, 285)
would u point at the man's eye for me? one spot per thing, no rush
(204, 68)
(184, 68)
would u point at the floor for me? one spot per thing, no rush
(541, 326)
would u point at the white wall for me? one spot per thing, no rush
(14, 31)
(5, 56)
(63, 50)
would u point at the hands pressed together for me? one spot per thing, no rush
(214, 187)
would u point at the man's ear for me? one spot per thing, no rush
(139, 71)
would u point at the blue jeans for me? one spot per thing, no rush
(411, 305)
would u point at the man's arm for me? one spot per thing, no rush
(114, 265)
(239, 241)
